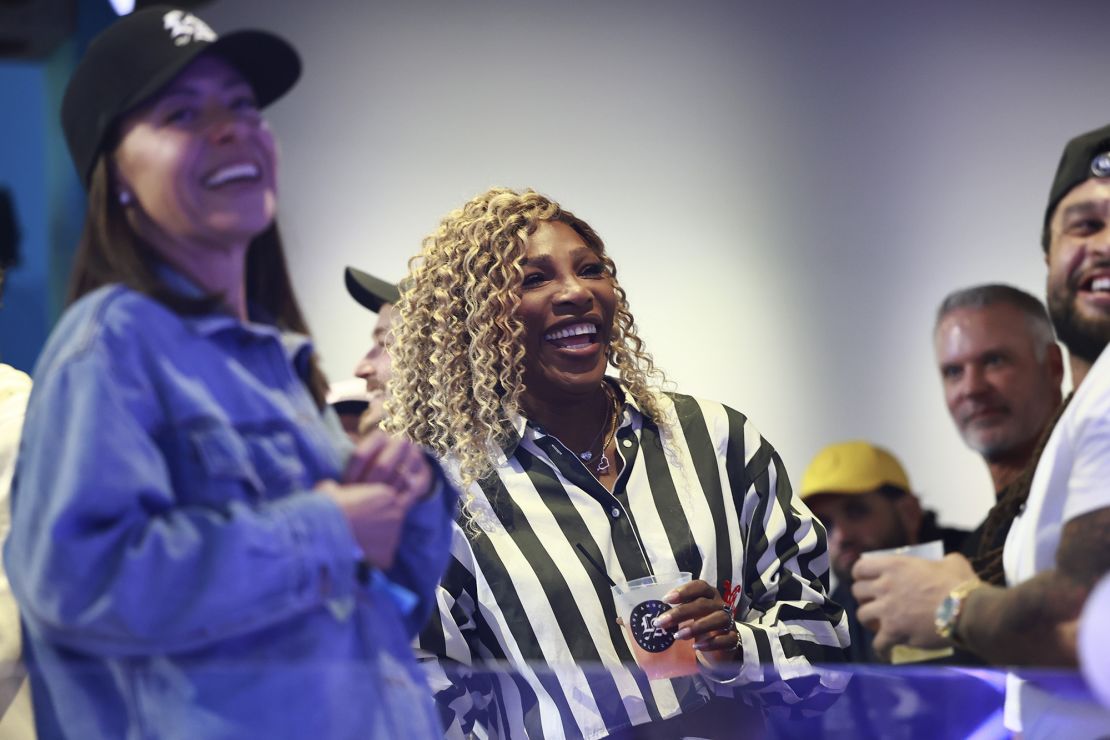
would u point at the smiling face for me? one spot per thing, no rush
(567, 305)
(197, 162)
(376, 369)
(1079, 269)
(1000, 387)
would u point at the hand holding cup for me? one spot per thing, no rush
(899, 595)
(700, 614)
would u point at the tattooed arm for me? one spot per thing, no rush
(1034, 623)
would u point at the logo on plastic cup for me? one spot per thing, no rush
(651, 638)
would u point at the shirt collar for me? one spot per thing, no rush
(519, 427)
(298, 347)
(177, 281)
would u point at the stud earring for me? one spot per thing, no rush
(124, 198)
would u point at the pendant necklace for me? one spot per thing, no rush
(610, 425)
(588, 454)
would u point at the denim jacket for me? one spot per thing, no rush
(177, 575)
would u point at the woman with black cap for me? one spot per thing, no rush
(196, 550)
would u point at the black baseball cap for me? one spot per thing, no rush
(370, 291)
(1084, 157)
(141, 53)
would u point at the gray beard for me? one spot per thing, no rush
(997, 451)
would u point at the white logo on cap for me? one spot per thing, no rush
(1100, 165)
(186, 27)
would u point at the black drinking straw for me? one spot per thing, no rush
(595, 564)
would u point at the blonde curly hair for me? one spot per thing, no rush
(458, 354)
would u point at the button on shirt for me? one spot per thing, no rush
(706, 494)
(177, 575)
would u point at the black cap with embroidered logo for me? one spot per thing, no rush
(141, 53)
(1084, 157)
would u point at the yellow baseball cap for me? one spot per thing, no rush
(853, 467)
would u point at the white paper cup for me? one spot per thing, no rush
(933, 550)
(929, 550)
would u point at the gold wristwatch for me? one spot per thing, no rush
(948, 613)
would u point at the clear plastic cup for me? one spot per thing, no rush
(933, 550)
(656, 651)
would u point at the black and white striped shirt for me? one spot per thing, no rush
(711, 498)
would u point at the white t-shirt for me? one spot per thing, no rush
(15, 387)
(15, 711)
(1094, 641)
(1072, 479)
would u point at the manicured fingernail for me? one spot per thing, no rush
(682, 634)
(671, 597)
(661, 621)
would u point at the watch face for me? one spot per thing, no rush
(650, 638)
(945, 612)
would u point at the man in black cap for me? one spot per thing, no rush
(1059, 545)
(375, 367)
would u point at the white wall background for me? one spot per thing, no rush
(788, 189)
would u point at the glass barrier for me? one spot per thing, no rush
(852, 701)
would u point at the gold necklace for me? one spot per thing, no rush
(603, 465)
(588, 454)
